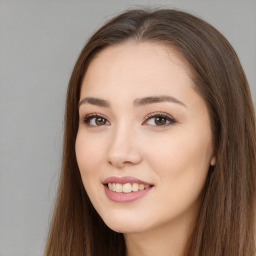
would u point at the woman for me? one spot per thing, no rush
(159, 144)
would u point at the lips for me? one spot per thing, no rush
(124, 180)
(125, 189)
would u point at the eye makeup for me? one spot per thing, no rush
(95, 120)
(158, 119)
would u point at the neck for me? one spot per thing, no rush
(167, 240)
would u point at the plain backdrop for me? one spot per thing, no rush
(39, 44)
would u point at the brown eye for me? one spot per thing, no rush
(160, 120)
(95, 120)
(100, 121)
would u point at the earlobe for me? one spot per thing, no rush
(213, 161)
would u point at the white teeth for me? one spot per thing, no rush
(127, 187)
(135, 187)
(119, 187)
(141, 187)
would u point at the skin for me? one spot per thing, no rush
(174, 157)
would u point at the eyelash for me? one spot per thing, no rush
(167, 117)
(87, 119)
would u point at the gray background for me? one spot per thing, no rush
(39, 43)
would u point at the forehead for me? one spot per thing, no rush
(151, 52)
(136, 66)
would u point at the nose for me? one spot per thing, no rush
(123, 148)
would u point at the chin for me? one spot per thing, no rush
(124, 224)
(125, 228)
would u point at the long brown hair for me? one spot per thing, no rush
(225, 222)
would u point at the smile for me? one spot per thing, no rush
(127, 187)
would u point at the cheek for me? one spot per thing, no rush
(182, 163)
(180, 153)
(89, 158)
(89, 154)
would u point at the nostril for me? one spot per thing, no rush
(121, 161)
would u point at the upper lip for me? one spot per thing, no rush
(124, 180)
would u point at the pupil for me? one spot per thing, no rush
(100, 121)
(160, 120)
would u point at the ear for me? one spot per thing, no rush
(213, 161)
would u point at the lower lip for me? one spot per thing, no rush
(125, 197)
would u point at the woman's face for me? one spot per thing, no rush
(144, 143)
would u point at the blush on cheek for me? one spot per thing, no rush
(88, 156)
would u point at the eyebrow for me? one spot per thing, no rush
(137, 102)
(157, 99)
(95, 101)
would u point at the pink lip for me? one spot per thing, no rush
(125, 197)
(123, 180)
